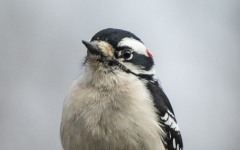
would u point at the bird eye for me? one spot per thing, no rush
(127, 54)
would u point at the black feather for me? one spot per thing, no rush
(163, 106)
(113, 36)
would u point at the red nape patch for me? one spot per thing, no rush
(149, 54)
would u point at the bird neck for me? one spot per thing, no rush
(105, 79)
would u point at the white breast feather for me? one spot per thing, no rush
(105, 111)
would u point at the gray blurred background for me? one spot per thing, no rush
(196, 46)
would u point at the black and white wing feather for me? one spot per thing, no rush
(173, 139)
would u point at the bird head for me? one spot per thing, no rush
(116, 51)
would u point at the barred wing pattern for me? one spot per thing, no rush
(173, 140)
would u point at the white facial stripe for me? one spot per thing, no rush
(136, 46)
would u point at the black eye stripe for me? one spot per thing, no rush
(141, 60)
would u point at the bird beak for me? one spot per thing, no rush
(92, 48)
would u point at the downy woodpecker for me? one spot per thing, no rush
(117, 103)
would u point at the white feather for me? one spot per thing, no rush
(105, 110)
(137, 46)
